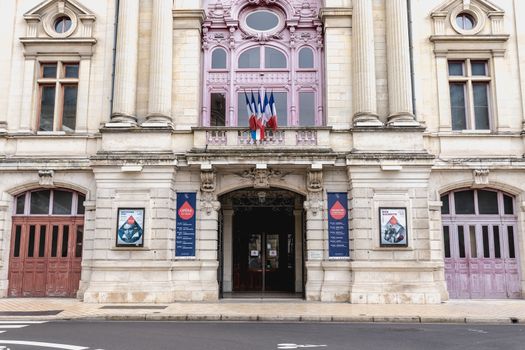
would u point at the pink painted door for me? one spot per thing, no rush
(480, 249)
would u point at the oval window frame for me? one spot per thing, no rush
(258, 33)
(262, 11)
(476, 13)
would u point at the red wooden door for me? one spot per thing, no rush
(45, 256)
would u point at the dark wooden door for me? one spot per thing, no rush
(45, 256)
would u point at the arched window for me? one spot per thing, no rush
(479, 236)
(50, 202)
(266, 55)
(306, 58)
(250, 58)
(218, 59)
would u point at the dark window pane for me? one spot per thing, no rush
(306, 108)
(473, 245)
(42, 242)
(242, 110)
(465, 21)
(218, 59)
(479, 68)
(487, 202)
(65, 240)
(510, 233)
(306, 58)
(18, 237)
(497, 247)
(508, 204)
(40, 202)
(69, 113)
(49, 70)
(71, 71)
(47, 108)
(464, 202)
(62, 24)
(461, 241)
(262, 20)
(445, 208)
(218, 109)
(250, 58)
(62, 202)
(486, 247)
(20, 204)
(274, 58)
(457, 105)
(54, 242)
(455, 68)
(80, 204)
(31, 244)
(481, 105)
(78, 244)
(281, 104)
(446, 240)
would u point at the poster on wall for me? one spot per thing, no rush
(130, 227)
(185, 229)
(393, 225)
(338, 247)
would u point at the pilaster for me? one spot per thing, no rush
(161, 65)
(398, 55)
(363, 57)
(126, 64)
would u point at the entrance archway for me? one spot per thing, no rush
(480, 244)
(261, 244)
(46, 244)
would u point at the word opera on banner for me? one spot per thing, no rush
(185, 225)
(338, 243)
(393, 227)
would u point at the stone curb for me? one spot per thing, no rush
(275, 318)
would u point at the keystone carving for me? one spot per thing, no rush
(481, 177)
(46, 178)
(261, 177)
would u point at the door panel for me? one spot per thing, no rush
(46, 256)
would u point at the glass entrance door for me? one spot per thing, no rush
(264, 270)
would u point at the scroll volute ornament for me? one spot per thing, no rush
(208, 199)
(314, 203)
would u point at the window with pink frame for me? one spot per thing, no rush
(262, 47)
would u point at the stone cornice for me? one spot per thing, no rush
(198, 14)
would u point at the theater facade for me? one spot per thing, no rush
(128, 172)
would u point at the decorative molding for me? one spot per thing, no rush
(481, 177)
(314, 184)
(261, 177)
(208, 198)
(46, 178)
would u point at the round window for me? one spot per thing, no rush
(62, 24)
(262, 20)
(465, 21)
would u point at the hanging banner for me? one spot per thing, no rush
(338, 247)
(185, 230)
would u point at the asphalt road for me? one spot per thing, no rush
(107, 335)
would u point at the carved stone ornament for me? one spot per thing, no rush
(261, 177)
(208, 198)
(481, 177)
(314, 203)
(46, 178)
(315, 181)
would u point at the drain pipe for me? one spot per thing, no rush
(114, 63)
(411, 45)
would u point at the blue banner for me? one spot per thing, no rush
(185, 231)
(338, 247)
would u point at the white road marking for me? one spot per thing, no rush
(2, 331)
(298, 346)
(478, 331)
(12, 326)
(44, 345)
(22, 322)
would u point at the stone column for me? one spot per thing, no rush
(398, 58)
(126, 63)
(161, 63)
(363, 57)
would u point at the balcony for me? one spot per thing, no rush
(285, 137)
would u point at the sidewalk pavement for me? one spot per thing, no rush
(281, 310)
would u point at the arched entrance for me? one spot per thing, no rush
(480, 244)
(46, 244)
(262, 244)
